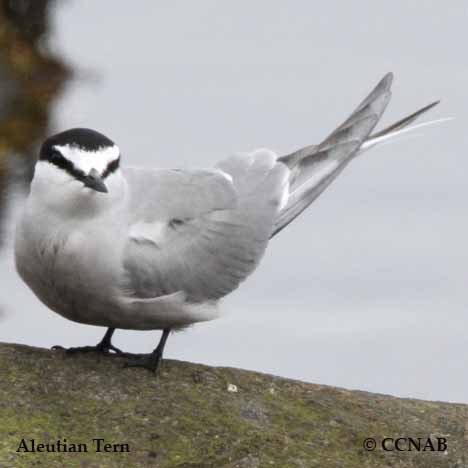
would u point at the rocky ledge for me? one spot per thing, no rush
(59, 410)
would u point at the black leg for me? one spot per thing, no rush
(104, 346)
(152, 361)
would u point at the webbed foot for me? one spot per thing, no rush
(148, 361)
(105, 346)
(151, 361)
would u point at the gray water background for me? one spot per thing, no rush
(367, 289)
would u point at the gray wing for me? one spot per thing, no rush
(201, 232)
(313, 168)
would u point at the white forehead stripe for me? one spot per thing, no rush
(86, 160)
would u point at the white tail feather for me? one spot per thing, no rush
(383, 139)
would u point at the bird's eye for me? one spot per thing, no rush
(55, 154)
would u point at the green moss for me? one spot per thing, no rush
(187, 417)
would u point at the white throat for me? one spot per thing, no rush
(55, 190)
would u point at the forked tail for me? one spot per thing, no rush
(313, 168)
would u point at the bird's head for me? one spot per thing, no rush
(80, 167)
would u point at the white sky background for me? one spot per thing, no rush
(368, 288)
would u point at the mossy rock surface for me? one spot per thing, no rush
(194, 416)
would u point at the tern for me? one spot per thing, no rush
(139, 249)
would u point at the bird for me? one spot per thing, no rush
(157, 249)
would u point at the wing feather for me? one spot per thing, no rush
(225, 218)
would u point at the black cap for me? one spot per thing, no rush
(83, 138)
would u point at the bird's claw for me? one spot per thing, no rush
(148, 361)
(99, 348)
